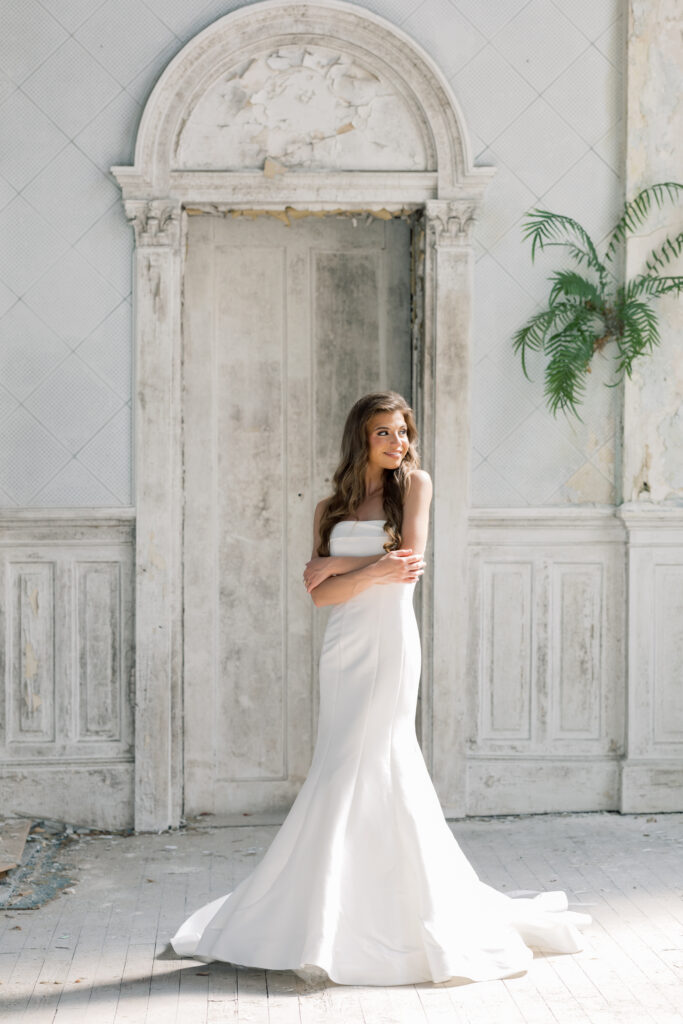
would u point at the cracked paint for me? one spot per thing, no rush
(302, 107)
(289, 213)
(30, 661)
(32, 700)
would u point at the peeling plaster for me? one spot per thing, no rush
(30, 661)
(301, 107)
(588, 484)
(289, 213)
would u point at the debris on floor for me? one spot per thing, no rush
(39, 873)
(13, 833)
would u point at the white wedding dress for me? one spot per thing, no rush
(364, 880)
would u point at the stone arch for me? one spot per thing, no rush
(186, 158)
(356, 41)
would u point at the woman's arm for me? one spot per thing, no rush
(394, 567)
(321, 567)
(415, 529)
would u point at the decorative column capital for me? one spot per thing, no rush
(450, 221)
(156, 222)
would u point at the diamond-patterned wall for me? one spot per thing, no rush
(539, 82)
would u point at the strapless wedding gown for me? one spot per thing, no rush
(364, 880)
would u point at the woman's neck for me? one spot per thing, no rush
(374, 483)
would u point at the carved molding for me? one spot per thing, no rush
(450, 222)
(184, 123)
(156, 222)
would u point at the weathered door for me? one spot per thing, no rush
(284, 327)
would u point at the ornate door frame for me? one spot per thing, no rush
(175, 169)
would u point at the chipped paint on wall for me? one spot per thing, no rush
(302, 106)
(290, 213)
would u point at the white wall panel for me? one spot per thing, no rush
(667, 669)
(66, 662)
(576, 651)
(98, 638)
(546, 704)
(506, 662)
(652, 777)
(31, 678)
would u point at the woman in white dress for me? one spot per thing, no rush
(365, 882)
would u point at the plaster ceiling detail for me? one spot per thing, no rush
(302, 107)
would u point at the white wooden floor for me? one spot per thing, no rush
(92, 955)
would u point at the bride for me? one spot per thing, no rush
(364, 882)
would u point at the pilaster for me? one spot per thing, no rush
(449, 273)
(157, 313)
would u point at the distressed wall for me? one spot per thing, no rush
(549, 684)
(652, 775)
(653, 442)
(540, 87)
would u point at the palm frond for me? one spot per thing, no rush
(637, 210)
(575, 251)
(645, 285)
(641, 332)
(545, 228)
(533, 334)
(588, 305)
(669, 250)
(569, 285)
(566, 373)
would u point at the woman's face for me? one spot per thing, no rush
(387, 439)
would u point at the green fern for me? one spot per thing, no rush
(545, 228)
(637, 211)
(665, 254)
(585, 310)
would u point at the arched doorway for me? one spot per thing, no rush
(296, 111)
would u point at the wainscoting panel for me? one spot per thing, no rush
(31, 653)
(546, 670)
(575, 678)
(652, 775)
(66, 665)
(506, 678)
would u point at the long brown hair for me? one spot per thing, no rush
(349, 477)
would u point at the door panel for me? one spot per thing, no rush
(284, 327)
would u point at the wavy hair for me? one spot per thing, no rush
(349, 477)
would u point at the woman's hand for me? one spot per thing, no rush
(400, 566)
(318, 570)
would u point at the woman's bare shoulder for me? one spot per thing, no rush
(419, 480)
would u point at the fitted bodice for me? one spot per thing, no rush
(358, 537)
(361, 537)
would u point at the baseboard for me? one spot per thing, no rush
(651, 786)
(92, 795)
(541, 785)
